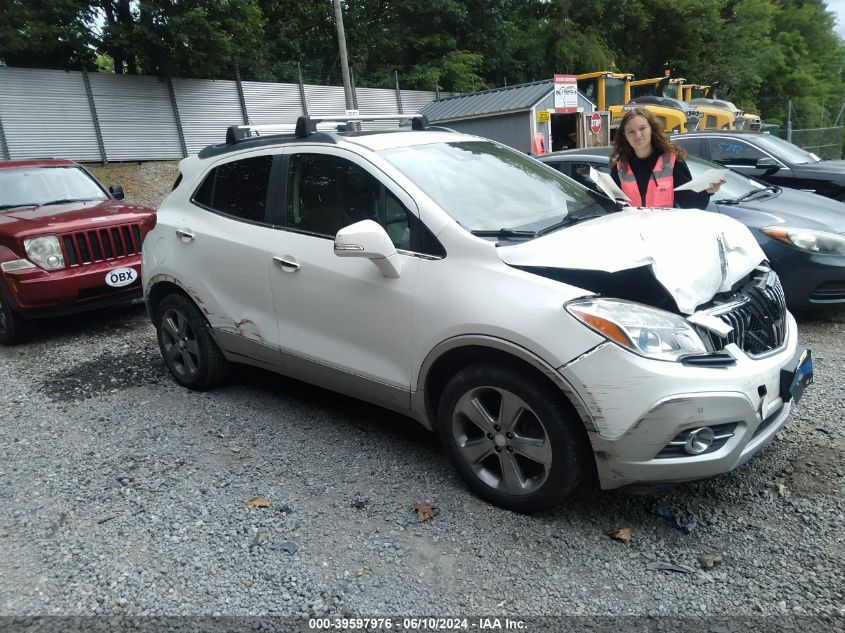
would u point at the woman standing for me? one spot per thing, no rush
(647, 166)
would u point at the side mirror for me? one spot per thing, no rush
(369, 240)
(117, 192)
(768, 163)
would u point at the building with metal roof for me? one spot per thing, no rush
(509, 114)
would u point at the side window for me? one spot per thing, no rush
(580, 172)
(238, 189)
(693, 146)
(396, 222)
(733, 152)
(326, 193)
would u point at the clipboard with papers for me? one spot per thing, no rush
(605, 183)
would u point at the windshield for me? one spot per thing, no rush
(786, 150)
(486, 186)
(736, 185)
(32, 186)
(614, 92)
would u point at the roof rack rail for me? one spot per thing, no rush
(238, 133)
(307, 125)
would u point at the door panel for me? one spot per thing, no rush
(341, 313)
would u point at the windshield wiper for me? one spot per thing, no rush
(65, 201)
(772, 189)
(505, 233)
(569, 219)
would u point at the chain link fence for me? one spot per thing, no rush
(824, 142)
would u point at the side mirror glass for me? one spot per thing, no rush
(117, 192)
(369, 240)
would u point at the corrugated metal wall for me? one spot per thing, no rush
(46, 113)
(377, 101)
(206, 107)
(49, 113)
(138, 110)
(272, 103)
(513, 130)
(415, 100)
(325, 99)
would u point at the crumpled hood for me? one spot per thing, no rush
(693, 254)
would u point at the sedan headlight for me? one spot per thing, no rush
(45, 251)
(643, 330)
(808, 240)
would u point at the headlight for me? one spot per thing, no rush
(808, 240)
(643, 330)
(45, 251)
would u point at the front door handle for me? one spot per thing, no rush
(287, 263)
(185, 235)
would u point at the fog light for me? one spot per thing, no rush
(699, 440)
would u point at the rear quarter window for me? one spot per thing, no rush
(237, 189)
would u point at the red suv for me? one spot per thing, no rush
(66, 244)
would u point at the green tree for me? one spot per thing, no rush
(46, 33)
(192, 38)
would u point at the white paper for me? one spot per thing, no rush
(606, 184)
(709, 177)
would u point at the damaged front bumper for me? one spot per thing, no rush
(659, 422)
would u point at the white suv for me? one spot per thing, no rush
(542, 331)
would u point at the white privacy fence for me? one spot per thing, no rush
(104, 117)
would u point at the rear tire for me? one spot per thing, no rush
(14, 328)
(187, 347)
(511, 438)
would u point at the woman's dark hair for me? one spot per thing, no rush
(622, 151)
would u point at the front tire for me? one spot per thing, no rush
(188, 350)
(511, 438)
(14, 328)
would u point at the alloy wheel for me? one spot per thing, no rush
(181, 350)
(502, 440)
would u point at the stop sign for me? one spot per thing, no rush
(595, 123)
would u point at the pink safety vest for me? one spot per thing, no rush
(660, 192)
(538, 145)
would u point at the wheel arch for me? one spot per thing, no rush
(452, 355)
(161, 286)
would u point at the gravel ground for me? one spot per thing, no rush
(123, 493)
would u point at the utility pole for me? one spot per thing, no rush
(344, 62)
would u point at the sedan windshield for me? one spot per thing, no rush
(736, 185)
(488, 187)
(785, 150)
(35, 186)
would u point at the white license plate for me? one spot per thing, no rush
(120, 277)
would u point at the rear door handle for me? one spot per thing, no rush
(287, 263)
(185, 235)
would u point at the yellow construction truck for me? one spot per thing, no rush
(612, 92)
(607, 90)
(704, 98)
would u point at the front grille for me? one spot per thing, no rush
(96, 245)
(757, 316)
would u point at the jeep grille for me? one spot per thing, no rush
(757, 315)
(96, 245)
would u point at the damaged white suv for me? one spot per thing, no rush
(542, 331)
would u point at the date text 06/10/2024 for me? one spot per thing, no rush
(416, 624)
